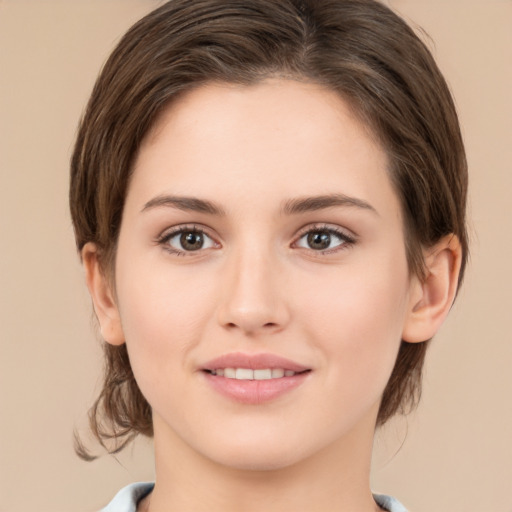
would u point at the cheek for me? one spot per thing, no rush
(163, 316)
(357, 318)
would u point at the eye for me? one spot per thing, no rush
(187, 240)
(324, 239)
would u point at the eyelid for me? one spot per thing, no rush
(168, 233)
(324, 226)
(348, 237)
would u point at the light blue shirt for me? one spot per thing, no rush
(127, 498)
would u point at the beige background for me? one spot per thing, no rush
(458, 451)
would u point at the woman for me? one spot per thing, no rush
(269, 202)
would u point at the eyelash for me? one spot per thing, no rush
(346, 240)
(168, 235)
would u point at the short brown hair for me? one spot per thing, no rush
(358, 48)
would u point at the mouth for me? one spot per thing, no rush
(250, 374)
(254, 378)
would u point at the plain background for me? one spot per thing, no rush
(457, 454)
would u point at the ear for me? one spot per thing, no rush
(432, 297)
(102, 296)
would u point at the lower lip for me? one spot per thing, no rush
(255, 391)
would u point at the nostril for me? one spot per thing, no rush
(267, 327)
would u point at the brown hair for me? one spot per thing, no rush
(359, 48)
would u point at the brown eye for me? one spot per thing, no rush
(324, 239)
(187, 240)
(319, 240)
(192, 241)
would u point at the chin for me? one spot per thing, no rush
(258, 462)
(257, 456)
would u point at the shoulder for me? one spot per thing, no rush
(389, 503)
(127, 498)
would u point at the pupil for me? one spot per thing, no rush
(319, 240)
(191, 241)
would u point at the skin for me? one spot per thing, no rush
(257, 285)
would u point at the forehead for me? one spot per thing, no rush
(276, 102)
(278, 137)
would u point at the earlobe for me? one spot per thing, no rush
(102, 296)
(432, 297)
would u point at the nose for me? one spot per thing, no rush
(254, 294)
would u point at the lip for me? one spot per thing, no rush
(253, 362)
(254, 392)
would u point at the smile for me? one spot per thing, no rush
(254, 379)
(249, 374)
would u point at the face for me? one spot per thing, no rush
(261, 276)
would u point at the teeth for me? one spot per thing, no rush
(230, 373)
(244, 374)
(262, 374)
(248, 374)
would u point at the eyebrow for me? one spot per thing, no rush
(308, 204)
(290, 207)
(193, 204)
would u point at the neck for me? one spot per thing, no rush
(335, 478)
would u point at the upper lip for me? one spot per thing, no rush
(253, 362)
